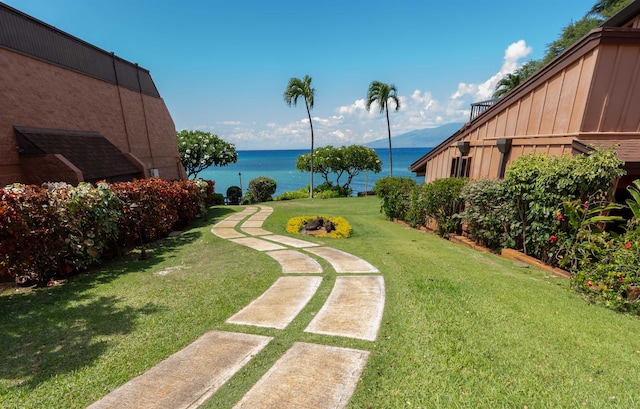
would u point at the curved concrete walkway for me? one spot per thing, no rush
(307, 375)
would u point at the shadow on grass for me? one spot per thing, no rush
(56, 330)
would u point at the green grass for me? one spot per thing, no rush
(460, 328)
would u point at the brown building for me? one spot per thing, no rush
(72, 112)
(588, 95)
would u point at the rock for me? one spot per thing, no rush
(329, 226)
(314, 224)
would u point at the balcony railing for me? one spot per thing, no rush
(477, 108)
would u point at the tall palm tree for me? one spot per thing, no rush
(381, 93)
(302, 88)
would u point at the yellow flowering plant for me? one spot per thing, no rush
(342, 227)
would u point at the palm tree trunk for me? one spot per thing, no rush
(390, 155)
(311, 154)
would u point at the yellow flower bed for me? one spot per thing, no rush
(342, 231)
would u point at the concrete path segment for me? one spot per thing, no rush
(289, 241)
(294, 262)
(308, 376)
(280, 304)
(258, 244)
(227, 233)
(190, 376)
(343, 262)
(255, 231)
(354, 308)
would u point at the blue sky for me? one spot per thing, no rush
(222, 66)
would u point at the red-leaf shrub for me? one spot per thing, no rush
(54, 230)
(59, 229)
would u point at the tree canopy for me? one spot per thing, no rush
(199, 150)
(345, 160)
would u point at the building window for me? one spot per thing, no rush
(461, 167)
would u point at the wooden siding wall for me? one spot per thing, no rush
(615, 97)
(537, 119)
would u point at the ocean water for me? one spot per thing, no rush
(280, 165)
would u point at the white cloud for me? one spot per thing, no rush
(478, 92)
(353, 124)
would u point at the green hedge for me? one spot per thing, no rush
(58, 229)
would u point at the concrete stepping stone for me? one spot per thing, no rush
(263, 214)
(255, 231)
(280, 304)
(343, 262)
(227, 233)
(225, 224)
(290, 241)
(294, 262)
(252, 223)
(249, 210)
(353, 309)
(258, 244)
(189, 377)
(308, 376)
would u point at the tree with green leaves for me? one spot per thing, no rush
(345, 160)
(381, 93)
(301, 88)
(199, 150)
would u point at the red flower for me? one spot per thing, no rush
(622, 278)
(586, 205)
(628, 245)
(589, 283)
(553, 239)
(559, 217)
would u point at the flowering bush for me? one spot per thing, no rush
(342, 227)
(199, 150)
(538, 184)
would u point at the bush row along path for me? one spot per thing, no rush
(307, 375)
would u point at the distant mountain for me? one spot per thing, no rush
(421, 138)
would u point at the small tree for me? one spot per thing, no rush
(199, 150)
(349, 160)
(260, 189)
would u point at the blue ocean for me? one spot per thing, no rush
(280, 165)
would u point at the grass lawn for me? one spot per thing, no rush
(460, 328)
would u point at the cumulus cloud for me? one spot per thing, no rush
(353, 124)
(511, 61)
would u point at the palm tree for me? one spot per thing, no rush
(302, 88)
(506, 84)
(381, 93)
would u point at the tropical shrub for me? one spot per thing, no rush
(59, 229)
(260, 190)
(441, 201)
(540, 184)
(488, 213)
(395, 193)
(328, 190)
(609, 274)
(342, 227)
(55, 230)
(297, 194)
